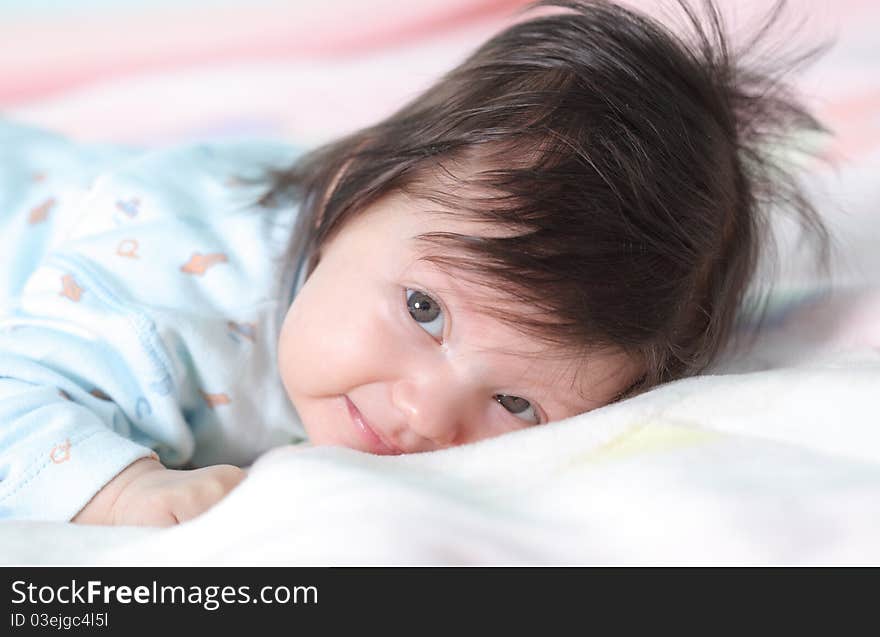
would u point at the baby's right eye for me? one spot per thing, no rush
(426, 312)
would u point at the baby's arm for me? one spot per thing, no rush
(60, 460)
(58, 445)
(146, 493)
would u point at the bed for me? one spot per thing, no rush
(771, 458)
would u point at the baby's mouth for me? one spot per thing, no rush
(368, 434)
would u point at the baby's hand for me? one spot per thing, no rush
(148, 494)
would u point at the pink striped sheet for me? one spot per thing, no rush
(50, 54)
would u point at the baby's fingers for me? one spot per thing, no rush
(207, 487)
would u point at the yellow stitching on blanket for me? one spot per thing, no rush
(651, 439)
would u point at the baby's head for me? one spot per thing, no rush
(570, 217)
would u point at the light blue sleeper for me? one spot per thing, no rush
(141, 297)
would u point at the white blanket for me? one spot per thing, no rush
(778, 467)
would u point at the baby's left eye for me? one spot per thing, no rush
(426, 312)
(519, 407)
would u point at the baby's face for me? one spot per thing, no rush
(383, 352)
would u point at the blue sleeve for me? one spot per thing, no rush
(56, 452)
(61, 441)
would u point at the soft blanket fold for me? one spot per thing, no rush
(740, 468)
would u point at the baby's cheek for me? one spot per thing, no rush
(303, 358)
(325, 351)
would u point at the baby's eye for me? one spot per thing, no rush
(520, 407)
(425, 311)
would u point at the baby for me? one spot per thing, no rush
(570, 217)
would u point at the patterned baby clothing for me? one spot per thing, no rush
(141, 298)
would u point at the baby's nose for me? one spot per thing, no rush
(432, 409)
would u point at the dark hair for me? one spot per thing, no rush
(629, 164)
